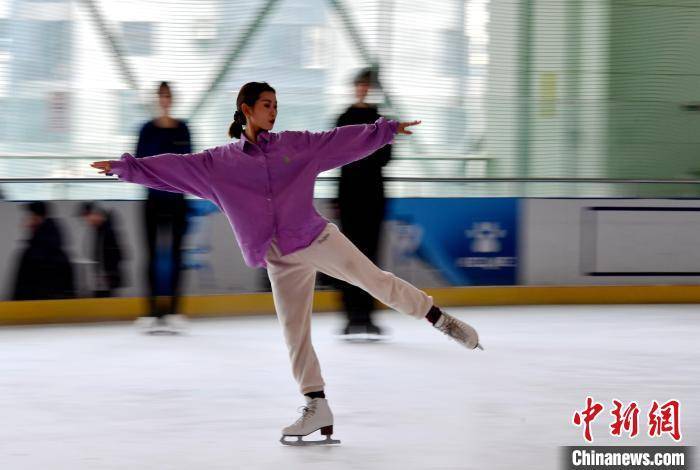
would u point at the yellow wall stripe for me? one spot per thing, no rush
(92, 310)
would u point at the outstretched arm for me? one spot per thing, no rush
(188, 173)
(346, 144)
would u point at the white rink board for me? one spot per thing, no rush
(565, 241)
(647, 241)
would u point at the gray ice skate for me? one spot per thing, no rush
(458, 331)
(316, 415)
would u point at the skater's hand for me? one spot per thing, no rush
(105, 167)
(404, 125)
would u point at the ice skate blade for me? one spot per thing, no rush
(363, 338)
(162, 332)
(302, 443)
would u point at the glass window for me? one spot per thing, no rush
(138, 37)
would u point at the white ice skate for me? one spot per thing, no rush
(458, 331)
(177, 322)
(155, 326)
(316, 415)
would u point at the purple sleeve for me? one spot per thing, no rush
(346, 144)
(188, 173)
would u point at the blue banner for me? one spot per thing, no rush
(471, 241)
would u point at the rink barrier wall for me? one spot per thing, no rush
(532, 242)
(129, 308)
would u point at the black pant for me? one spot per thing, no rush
(164, 219)
(361, 223)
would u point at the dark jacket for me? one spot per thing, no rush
(108, 252)
(154, 140)
(44, 270)
(361, 182)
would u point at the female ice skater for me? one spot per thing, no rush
(264, 183)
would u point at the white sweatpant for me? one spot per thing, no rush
(293, 279)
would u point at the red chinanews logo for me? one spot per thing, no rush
(662, 419)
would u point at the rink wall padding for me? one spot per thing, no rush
(127, 309)
(556, 251)
(609, 242)
(430, 242)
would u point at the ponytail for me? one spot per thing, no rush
(235, 130)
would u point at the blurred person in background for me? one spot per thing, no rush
(107, 252)
(43, 268)
(361, 204)
(165, 214)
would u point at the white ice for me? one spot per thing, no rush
(102, 396)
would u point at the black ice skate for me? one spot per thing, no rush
(362, 333)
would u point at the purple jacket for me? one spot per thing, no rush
(265, 189)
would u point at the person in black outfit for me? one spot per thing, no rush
(361, 204)
(165, 212)
(107, 252)
(43, 269)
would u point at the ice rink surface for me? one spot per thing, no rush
(102, 396)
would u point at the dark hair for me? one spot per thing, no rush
(39, 208)
(368, 75)
(86, 208)
(248, 94)
(165, 86)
